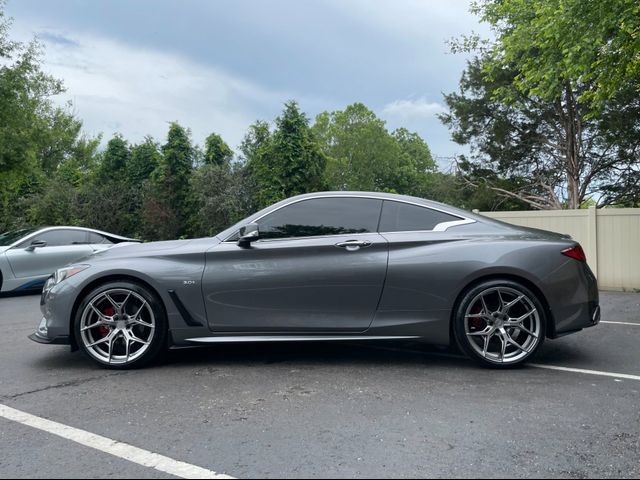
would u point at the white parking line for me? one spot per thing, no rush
(626, 376)
(621, 323)
(587, 372)
(112, 447)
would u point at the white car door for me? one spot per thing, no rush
(57, 248)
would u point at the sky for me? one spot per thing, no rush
(219, 65)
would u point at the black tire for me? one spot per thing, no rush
(465, 341)
(157, 346)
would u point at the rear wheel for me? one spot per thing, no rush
(500, 323)
(121, 325)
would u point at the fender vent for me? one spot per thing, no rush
(186, 316)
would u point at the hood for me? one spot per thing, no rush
(142, 249)
(3, 249)
(155, 249)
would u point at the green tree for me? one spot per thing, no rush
(290, 162)
(560, 44)
(415, 150)
(115, 159)
(218, 202)
(257, 137)
(363, 155)
(254, 142)
(35, 135)
(67, 195)
(545, 143)
(416, 166)
(217, 152)
(167, 197)
(143, 161)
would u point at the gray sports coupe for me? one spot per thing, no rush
(29, 256)
(333, 266)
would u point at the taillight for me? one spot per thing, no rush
(576, 253)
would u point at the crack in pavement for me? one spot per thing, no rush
(72, 383)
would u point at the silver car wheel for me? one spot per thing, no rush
(503, 325)
(117, 326)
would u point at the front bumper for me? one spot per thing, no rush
(56, 304)
(61, 340)
(41, 335)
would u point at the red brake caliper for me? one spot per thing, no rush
(103, 330)
(476, 323)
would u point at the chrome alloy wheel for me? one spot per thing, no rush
(503, 325)
(117, 326)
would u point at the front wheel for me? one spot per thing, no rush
(121, 325)
(500, 323)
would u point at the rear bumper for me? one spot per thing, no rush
(574, 301)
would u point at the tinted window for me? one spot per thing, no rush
(95, 238)
(8, 238)
(322, 216)
(58, 238)
(404, 217)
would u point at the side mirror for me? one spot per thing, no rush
(36, 244)
(248, 234)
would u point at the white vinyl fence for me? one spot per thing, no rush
(610, 238)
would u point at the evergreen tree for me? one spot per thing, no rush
(217, 152)
(115, 159)
(166, 205)
(144, 159)
(290, 162)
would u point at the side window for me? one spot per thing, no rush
(322, 216)
(96, 238)
(404, 217)
(59, 238)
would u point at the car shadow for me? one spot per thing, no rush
(308, 355)
(255, 354)
(26, 293)
(313, 354)
(558, 351)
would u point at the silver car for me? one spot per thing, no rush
(333, 266)
(29, 256)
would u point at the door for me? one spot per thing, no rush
(63, 246)
(319, 266)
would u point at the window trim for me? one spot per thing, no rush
(440, 227)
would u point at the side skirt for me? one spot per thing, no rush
(294, 338)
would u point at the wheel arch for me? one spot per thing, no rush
(101, 281)
(549, 324)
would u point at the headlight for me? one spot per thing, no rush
(64, 273)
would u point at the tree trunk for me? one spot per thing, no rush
(572, 153)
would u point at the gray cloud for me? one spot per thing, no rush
(220, 65)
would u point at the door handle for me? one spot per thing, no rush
(354, 245)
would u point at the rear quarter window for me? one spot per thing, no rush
(96, 238)
(404, 217)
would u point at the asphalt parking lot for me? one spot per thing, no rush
(328, 410)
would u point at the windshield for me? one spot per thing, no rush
(9, 238)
